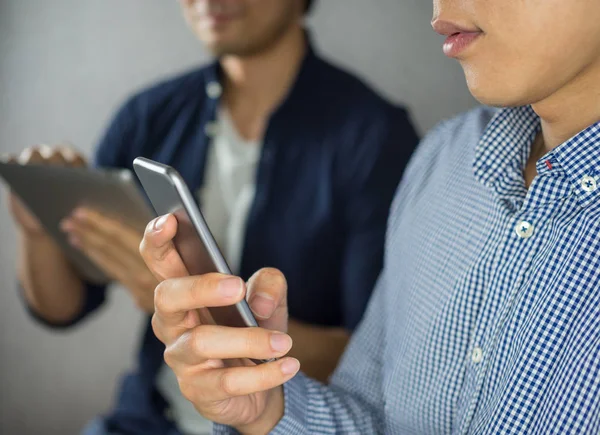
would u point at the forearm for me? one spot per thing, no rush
(51, 287)
(317, 348)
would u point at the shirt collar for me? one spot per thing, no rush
(213, 77)
(504, 148)
(579, 158)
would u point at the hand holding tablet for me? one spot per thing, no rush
(48, 184)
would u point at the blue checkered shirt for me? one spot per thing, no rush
(486, 317)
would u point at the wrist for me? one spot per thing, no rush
(273, 413)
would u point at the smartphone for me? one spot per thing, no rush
(194, 242)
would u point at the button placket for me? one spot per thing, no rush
(485, 342)
(211, 129)
(524, 229)
(477, 355)
(214, 90)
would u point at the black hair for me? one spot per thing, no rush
(308, 6)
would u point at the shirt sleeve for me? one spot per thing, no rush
(353, 402)
(369, 173)
(94, 297)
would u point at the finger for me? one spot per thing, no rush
(95, 245)
(101, 238)
(112, 230)
(89, 238)
(267, 297)
(52, 155)
(30, 156)
(224, 383)
(175, 297)
(166, 332)
(109, 264)
(72, 157)
(158, 251)
(207, 342)
(105, 233)
(8, 158)
(139, 283)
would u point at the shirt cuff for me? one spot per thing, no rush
(295, 393)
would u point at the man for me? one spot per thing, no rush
(486, 317)
(295, 163)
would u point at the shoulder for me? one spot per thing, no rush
(147, 115)
(359, 97)
(456, 135)
(360, 122)
(177, 90)
(447, 148)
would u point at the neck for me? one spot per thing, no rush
(573, 108)
(262, 81)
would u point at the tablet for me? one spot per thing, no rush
(52, 193)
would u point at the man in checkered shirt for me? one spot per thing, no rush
(486, 317)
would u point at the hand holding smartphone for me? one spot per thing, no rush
(194, 242)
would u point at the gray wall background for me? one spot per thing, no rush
(65, 65)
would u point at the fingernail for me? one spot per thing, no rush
(160, 223)
(79, 213)
(290, 366)
(66, 225)
(74, 241)
(281, 342)
(262, 305)
(230, 287)
(46, 151)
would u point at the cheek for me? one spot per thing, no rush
(531, 49)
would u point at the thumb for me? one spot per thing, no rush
(158, 251)
(267, 297)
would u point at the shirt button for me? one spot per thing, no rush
(524, 229)
(211, 129)
(589, 183)
(214, 90)
(477, 355)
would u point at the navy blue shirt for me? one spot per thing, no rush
(333, 154)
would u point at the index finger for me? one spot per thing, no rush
(174, 298)
(72, 157)
(30, 156)
(108, 227)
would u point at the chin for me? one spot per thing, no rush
(497, 91)
(215, 44)
(215, 49)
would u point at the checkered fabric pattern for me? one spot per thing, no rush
(486, 317)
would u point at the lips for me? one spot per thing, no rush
(218, 7)
(217, 11)
(458, 39)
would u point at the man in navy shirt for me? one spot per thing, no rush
(322, 154)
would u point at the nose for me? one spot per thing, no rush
(452, 16)
(437, 7)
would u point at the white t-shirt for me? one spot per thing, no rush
(225, 198)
